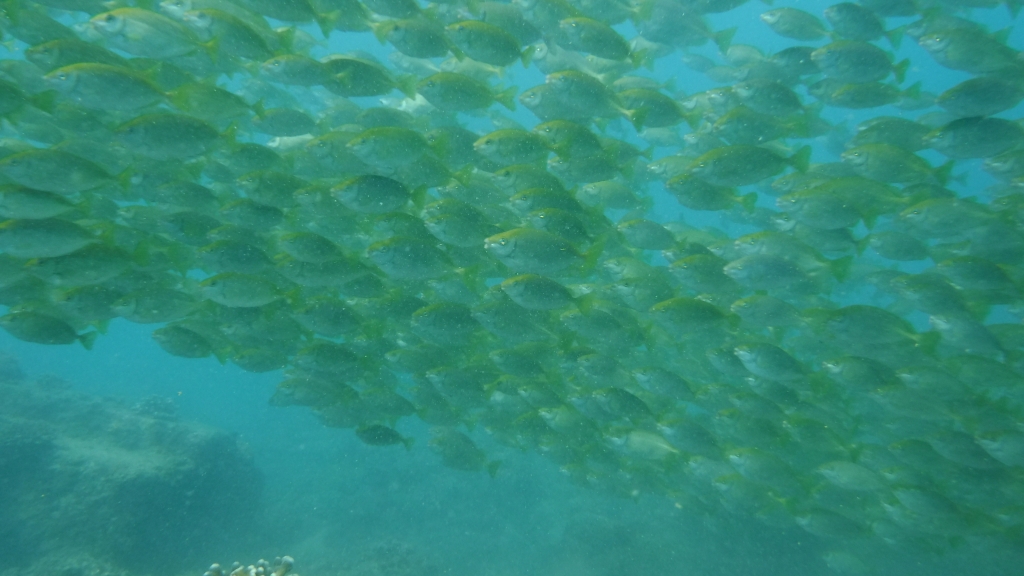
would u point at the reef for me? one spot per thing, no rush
(96, 486)
(279, 567)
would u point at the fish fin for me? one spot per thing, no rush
(527, 56)
(840, 267)
(1002, 35)
(258, 108)
(252, 68)
(734, 321)
(978, 309)
(895, 36)
(406, 84)
(928, 341)
(380, 31)
(327, 22)
(230, 135)
(593, 255)
(429, 13)
(748, 202)
(460, 55)
(799, 126)
(464, 175)
(124, 179)
(285, 37)
(222, 355)
(88, 339)
(292, 296)
(801, 160)
(942, 172)
(816, 318)
(101, 326)
(914, 91)
(212, 49)
(507, 97)
(723, 38)
(637, 117)
(44, 101)
(633, 215)
(643, 11)
(693, 119)
(899, 70)
(627, 169)
(642, 58)
(419, 197)
(492, 467)
(408, 442)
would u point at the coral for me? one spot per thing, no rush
(279, 567)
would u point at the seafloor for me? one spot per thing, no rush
(95, 486)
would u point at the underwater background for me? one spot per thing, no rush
(342, 506)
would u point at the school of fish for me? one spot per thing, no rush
(844, 352)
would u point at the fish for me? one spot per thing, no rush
(777, 278)
(533, 251)
(41, 328)
(42, 238)
(487, 43)
(794, 23)
(378, 435)
(740, 165)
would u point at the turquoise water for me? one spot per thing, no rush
(332, 502)
(340, 506)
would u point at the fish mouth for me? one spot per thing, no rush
(932, 44)
(734, 272)
(854, 159)
(499, 246)
(743, 355)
